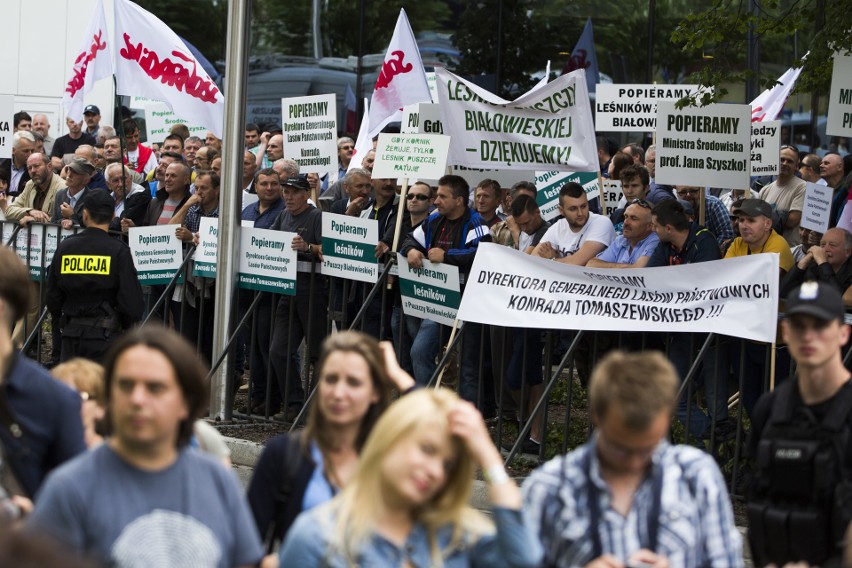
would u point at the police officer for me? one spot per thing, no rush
(800, 502)
(92, 288)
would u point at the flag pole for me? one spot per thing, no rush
(119, 130)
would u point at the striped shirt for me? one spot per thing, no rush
(696, 523)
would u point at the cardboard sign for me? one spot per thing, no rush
(548, 128)
(633, 108)
(420, 156)
(735, 296)
(839, 121)
(612, 195)
(7, 113)
(157, 253)
(549, 184)
(349, 247)
(431, 292)
(706, 146)
(267, 261)
(159, 120)
(816, 211)
(765, 148)
(208, 248)
(310, 132)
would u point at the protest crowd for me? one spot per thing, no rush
(351, 334)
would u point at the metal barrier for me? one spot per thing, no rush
(727, 365)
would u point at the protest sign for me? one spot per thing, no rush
(267, 261)
(157, 253)
(549, 128)
(765, 148)
(817, 207)
(159, 120)
(840, 97)
(7, 113)
(415, 156)
(704, 146)
(548, 185)
(633, 108)
(207, 249)
(612, 195)
(431, 292)
(141, 102)
(737, 296)
(432, 82)
(349, 247)
(35, 245)
(421, 118)
(310, 132)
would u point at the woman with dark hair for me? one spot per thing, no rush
(298, 471)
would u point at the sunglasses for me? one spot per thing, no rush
(685, 192)
(641, 203)
(416, 196)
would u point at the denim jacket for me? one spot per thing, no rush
(513, 546)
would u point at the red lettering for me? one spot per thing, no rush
(171, 73)
(81, 64)
(759, 117)
(391, 68)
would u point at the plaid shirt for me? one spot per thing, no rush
(192, 221)
(717, 219)
(696, 523)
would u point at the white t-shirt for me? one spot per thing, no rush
(566, 242)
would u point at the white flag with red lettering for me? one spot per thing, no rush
(92, 63)
(151, 61)
(769, 104)
(402, 80)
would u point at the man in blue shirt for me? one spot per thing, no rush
(637, 242)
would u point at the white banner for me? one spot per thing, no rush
(840, 97)
(402, 79)
(769, 104)
(633, 108)
(157, 253)
(349, 247)
(310, 132)
(159, 120)
(93, 62)
(549, 184)
(152, 61)
(550, 128)
(208, 248)
(431, 292)
(765, 148)
(816, 211)
(364, 143)
(737, 296)
(7, 114)
(415, 156)
(704, 146)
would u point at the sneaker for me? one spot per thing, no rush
(529, 446)
(288, 415)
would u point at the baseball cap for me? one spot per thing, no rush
(299, 182)
(91, 109)
(82, 166)
(753, 208)
(817, 299)
(98, 201)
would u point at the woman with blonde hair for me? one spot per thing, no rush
(355, 376)
(406, 504)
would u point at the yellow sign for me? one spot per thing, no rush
(85, 264)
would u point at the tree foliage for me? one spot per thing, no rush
(820, 26)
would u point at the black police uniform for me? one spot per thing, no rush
(93, 290)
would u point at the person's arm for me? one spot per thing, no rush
(793, 219)
(722, 541)
(180, 214)
(261, 149)
(306, 544)
(19, 208)
(584, 254)
(129, 300)
(401, 380)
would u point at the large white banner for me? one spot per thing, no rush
(737, 296)
(633, 108)
(152, 61)
(704, 146)
(549, 128)
(93, 62)
(310, 130)
(840, 97)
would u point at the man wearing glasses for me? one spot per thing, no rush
(786, 195)
(627, 497)
(716, 217)
(637, 242)
(345, 151)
